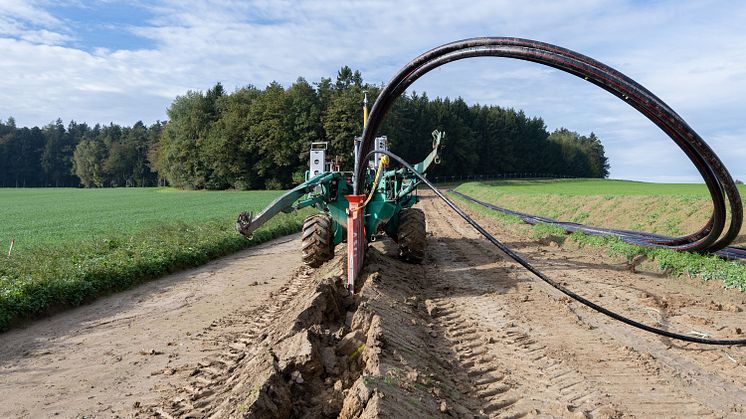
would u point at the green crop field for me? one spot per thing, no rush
(49, 216)
(72, 245)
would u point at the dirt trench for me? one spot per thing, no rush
(466, 334)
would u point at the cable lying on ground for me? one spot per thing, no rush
(523, 262)
(633, 237)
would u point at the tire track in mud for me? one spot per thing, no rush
(489, 357)
(510, 371)
(247, 327)
(551, 350)
(716, 376)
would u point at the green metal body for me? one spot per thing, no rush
(326, 192)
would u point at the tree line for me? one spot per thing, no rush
(259, 139)
(78, 155)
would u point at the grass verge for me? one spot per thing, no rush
(668, 209)
(58, 276)
(675, 263)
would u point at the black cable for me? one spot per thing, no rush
(703, 239)
(523, 262)
(719, 182)
(630, 236)
(706, 236)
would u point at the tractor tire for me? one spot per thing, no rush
(317, 242)
(411, 235)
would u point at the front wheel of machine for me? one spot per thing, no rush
(317, 242)
(411, 235)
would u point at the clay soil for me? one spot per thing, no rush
(467, 333)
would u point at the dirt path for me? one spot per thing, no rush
(106, 358)
(467, 333)
(534, 351)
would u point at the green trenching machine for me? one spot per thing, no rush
(386, 207)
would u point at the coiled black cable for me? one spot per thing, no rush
(719, 182)
(523, 262)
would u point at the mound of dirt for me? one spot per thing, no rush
(287, 358)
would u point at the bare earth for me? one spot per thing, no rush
(103, 359)
(466, 334)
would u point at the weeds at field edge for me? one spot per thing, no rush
(55, 277)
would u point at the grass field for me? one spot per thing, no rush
(590, 187)
(671, 209)
(35, 217)
(660, 208)
(75, 244)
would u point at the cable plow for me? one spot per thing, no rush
(377, 200)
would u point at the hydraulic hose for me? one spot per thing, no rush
(722, 188)
(373, 188)
(526, 264)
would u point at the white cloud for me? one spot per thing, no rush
(27, 11)
(29, 22)
(689, 54)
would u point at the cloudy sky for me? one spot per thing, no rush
(124, 61)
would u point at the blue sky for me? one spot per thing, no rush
(124, 61)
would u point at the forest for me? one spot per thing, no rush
(255, 138)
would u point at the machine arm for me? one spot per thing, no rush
(433, 156)
(420, 167)
(246, 224)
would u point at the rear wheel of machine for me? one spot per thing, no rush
(317, 242)
(411, 235)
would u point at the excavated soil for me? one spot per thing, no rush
(467, 333)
